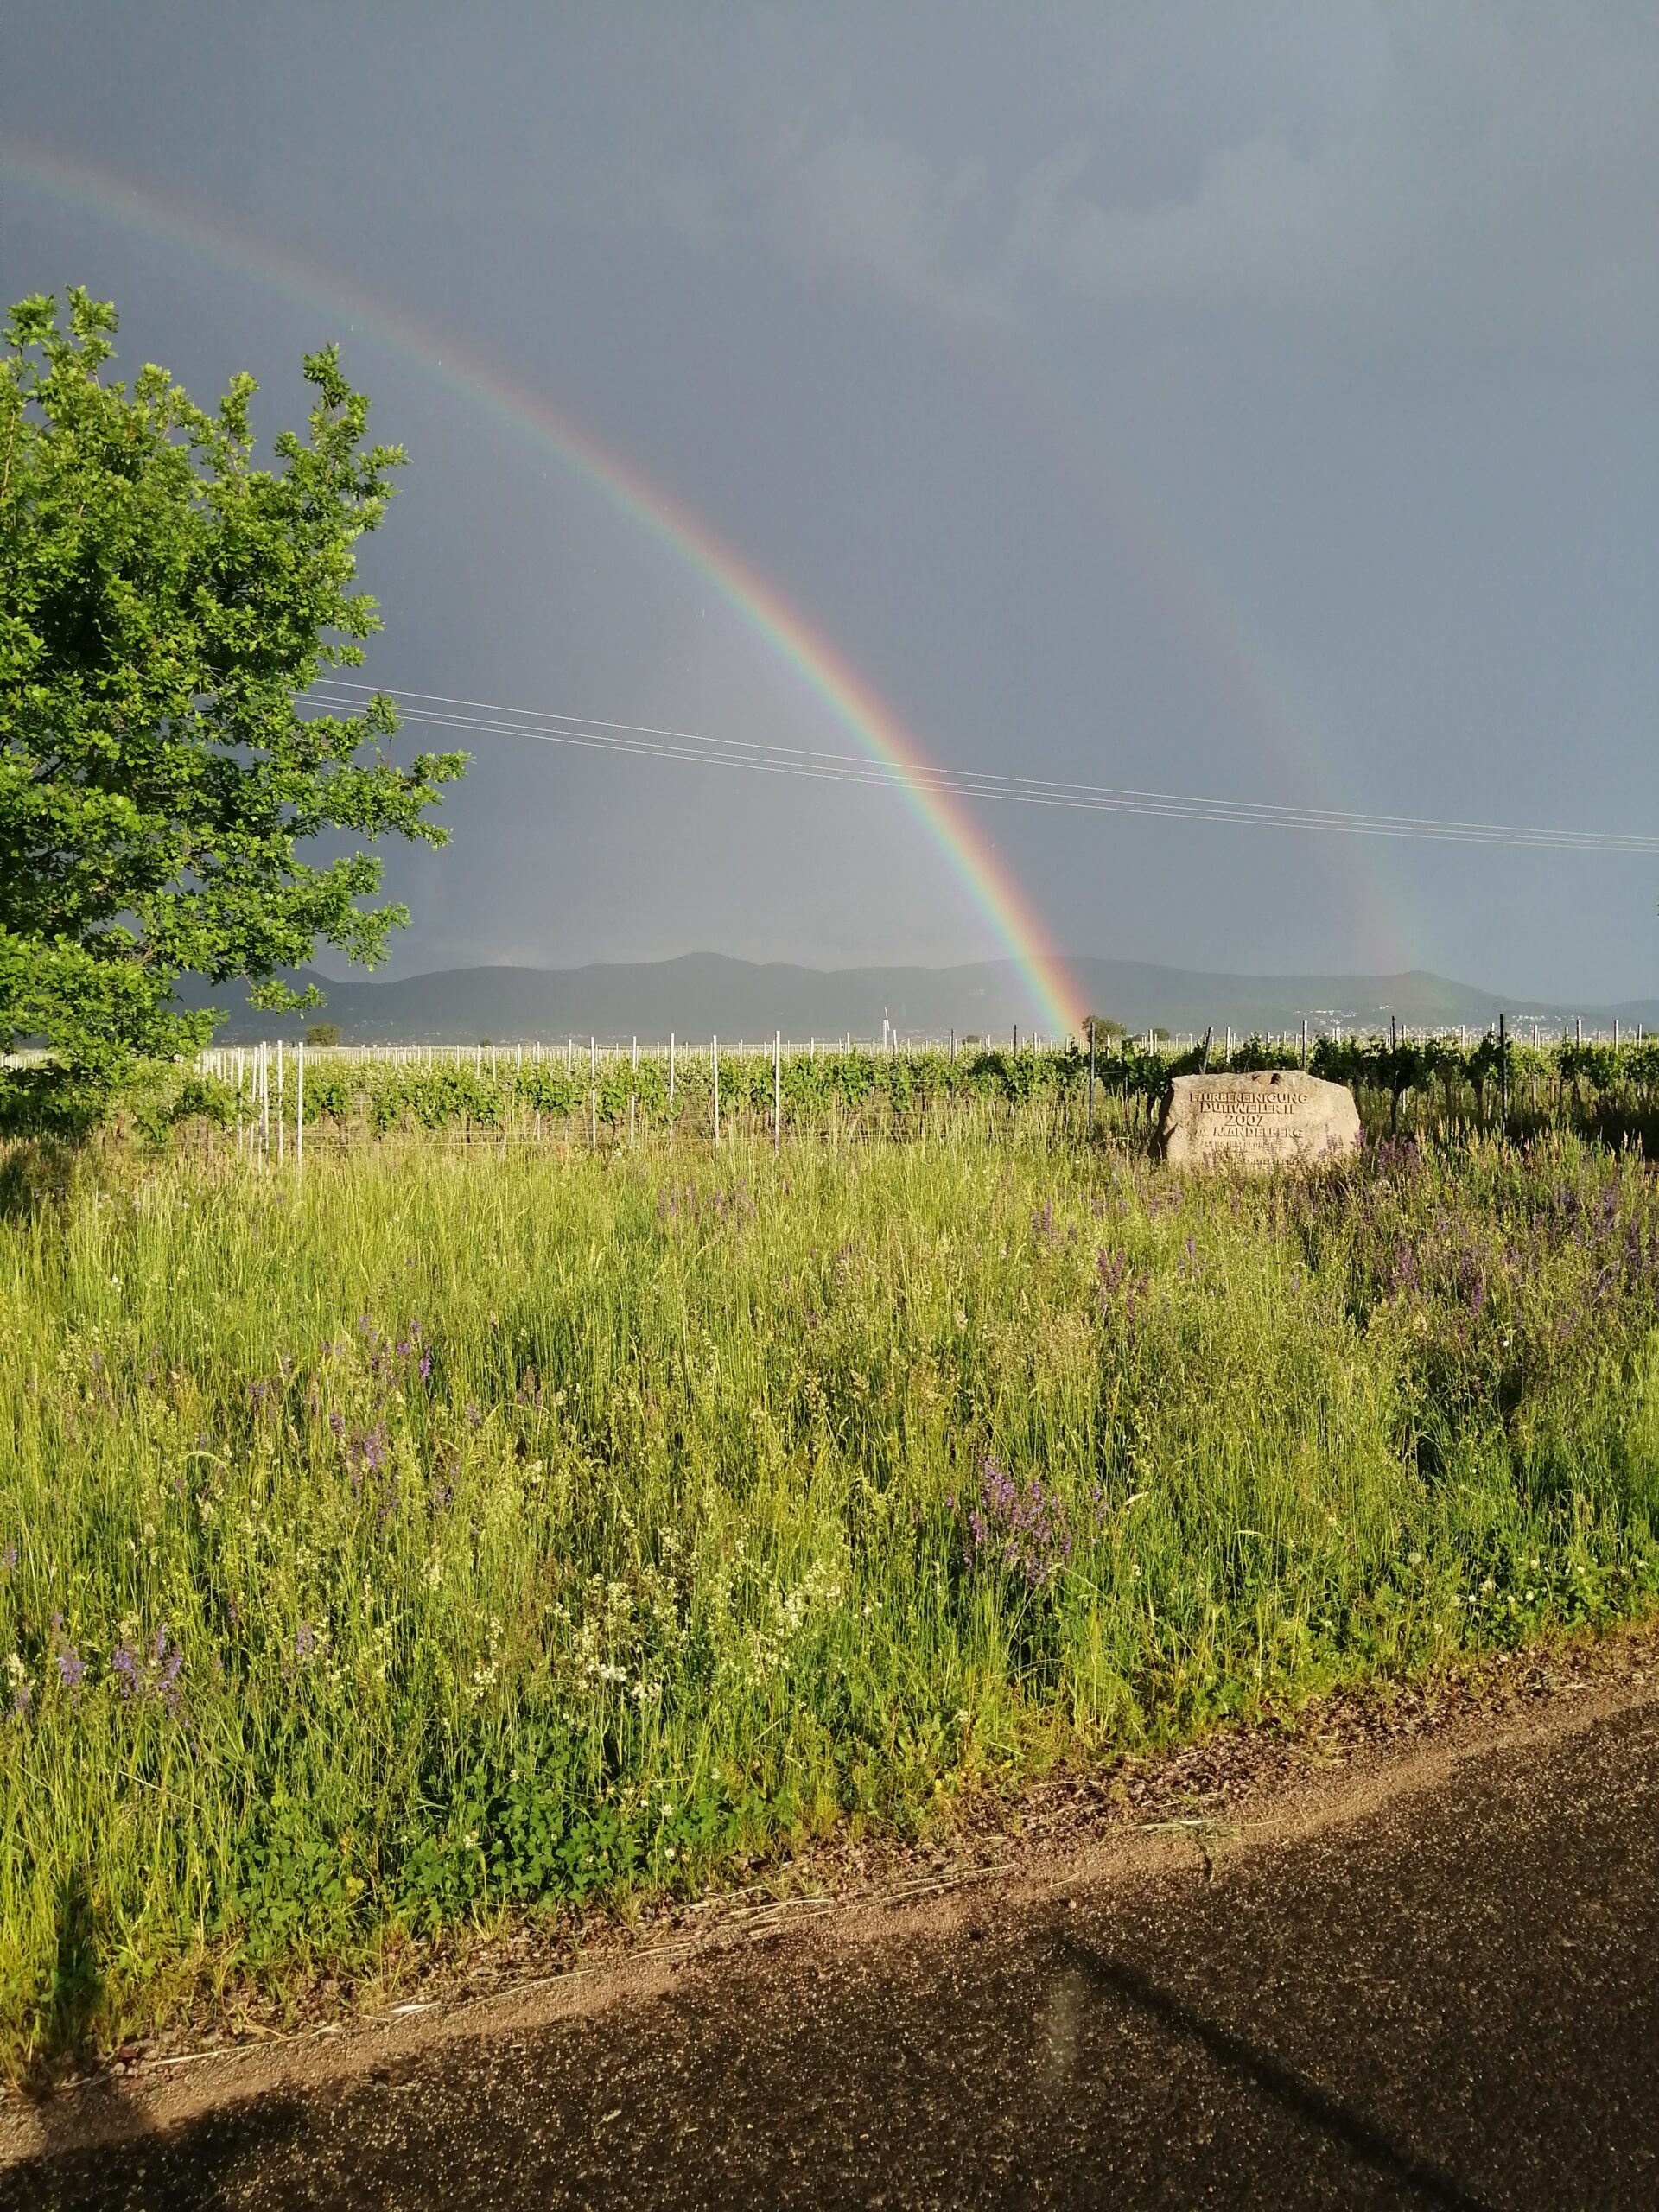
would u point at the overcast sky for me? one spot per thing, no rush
(1257, 401)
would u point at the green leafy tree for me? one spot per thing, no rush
(163, 604)
(323, 1033)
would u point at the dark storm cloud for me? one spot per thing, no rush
(1260, 402)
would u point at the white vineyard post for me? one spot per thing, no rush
(282, 1135)
(777, 1091)
(670, 1067)
(593, 1094)
(714, 1061)
(299, 1108)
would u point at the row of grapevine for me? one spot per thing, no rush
(1430, 1084)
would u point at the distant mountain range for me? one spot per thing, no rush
(704, 993)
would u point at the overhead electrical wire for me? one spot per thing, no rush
(336, 695)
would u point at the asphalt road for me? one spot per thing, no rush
(1452, 2001)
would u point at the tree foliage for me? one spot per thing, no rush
(164, 602)
(1101, 1027)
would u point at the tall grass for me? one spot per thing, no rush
(459, 1533)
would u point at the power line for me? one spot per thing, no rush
(985, 782)
(650, 742)
(685, 746)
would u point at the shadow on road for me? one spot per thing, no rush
(1291, 2090)
(190, 2170)
(128, 2164)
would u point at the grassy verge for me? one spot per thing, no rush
(460, 1534)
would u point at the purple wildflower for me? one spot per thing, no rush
(72, 1666)
(125, 1666)
(168, 1665)
(305, 1643)
(1022, 1528)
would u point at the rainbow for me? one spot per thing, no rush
(816, 663)
(1234, 650)
(1234, 653)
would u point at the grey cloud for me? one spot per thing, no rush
(1254, 400)
(1476, 178)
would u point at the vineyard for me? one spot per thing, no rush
(1434, 1086)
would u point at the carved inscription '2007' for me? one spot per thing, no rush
(1278, 1116)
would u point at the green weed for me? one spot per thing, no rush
(458, 1534)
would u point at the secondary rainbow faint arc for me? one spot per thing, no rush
(815, 661)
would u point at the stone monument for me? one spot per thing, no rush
(1278, 1117)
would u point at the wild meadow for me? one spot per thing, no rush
(445, 1535)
